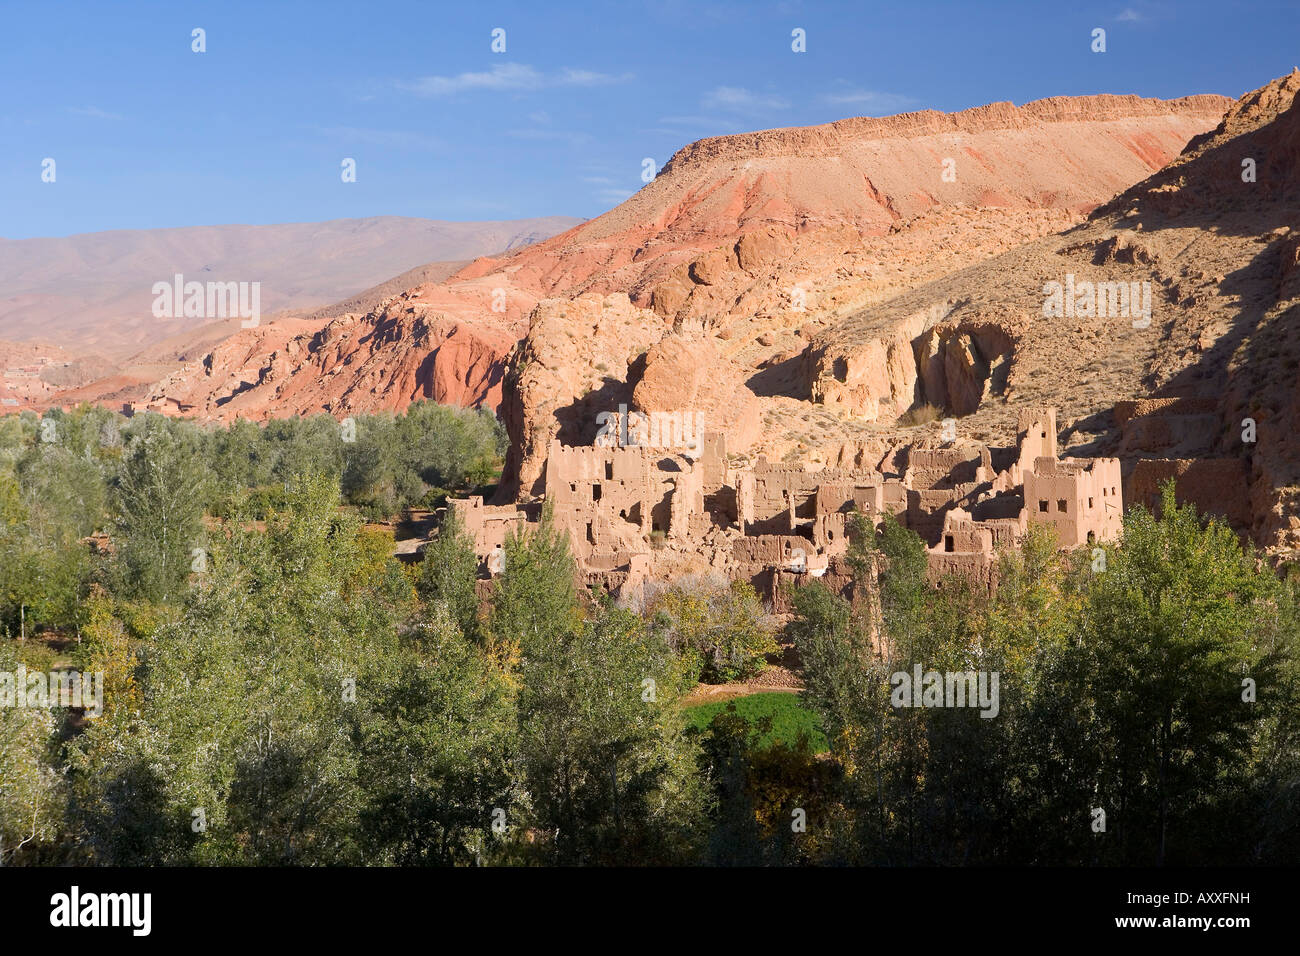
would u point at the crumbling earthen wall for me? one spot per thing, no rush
(630, 510)
(1078, 497)
(1125, 411)
(1216, 486)
(929, 468)
(779, 496)
(607, 497)
(979, 569)
(487, 525)
(1168, 427)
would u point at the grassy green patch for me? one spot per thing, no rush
(789, 718)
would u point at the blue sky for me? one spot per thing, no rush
(146, 133)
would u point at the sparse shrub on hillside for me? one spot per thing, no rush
(920, 415)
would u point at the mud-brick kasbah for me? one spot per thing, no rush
(635, 514)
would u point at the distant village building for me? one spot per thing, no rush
(636, 514)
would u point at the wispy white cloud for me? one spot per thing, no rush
(550, 135)
(694, 126)
(1129, 15)
(614, 196)
(507, 78)
(571, 77)
(93, 112)
(872, 101)
(387, 138)
(737, 99)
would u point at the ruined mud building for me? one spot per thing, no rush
(636, 514)
(1182, 439)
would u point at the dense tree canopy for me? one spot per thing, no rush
(279, 689)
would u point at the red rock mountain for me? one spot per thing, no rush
(94, 291)
(767, 231)
(1201, 388)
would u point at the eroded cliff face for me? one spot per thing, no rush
(812, 291)
(764, 244)
(925, 359)
(749, 237)
(1209, 350)
(1247, 291)
(403, 351)
(571, 366)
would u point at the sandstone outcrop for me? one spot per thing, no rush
(1169, 379)
(688, 374)
(571, 367)
(752, 238)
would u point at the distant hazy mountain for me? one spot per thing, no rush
(92, 293)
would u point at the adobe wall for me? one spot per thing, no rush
(962, 534)
(771, 563)
(998, 506)
(926, 509)
(775, 522)
(979, 569)
(929, 468)
(831, 533)
(1169, 427)
(777, 586)
(1076, 497)
(604, 495)
(486, 525)
(778, 498)
(1007, 532)
(713, 461)
(1036, 434)
(1216, 486)
(771, 550)
(1125, 411)
(1153, 434)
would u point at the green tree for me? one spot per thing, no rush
(243, 750)
(160, 497)
(448, 575)
(903, 589)
(448, 447)
(717, 625)
(437, 744)
(1174, 626)
(534, 599)
(31, 785)
(54, 502)
(610, 775)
